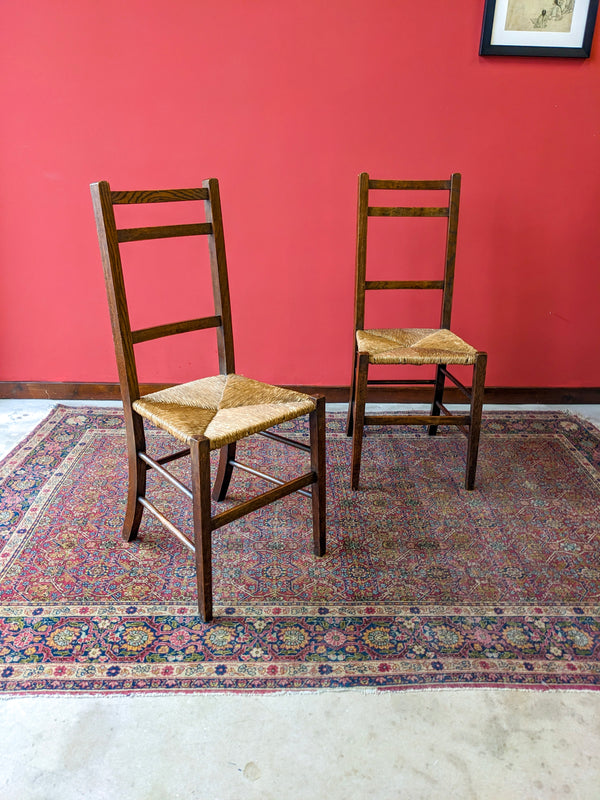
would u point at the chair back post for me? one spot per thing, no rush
(220, 280)
(115, 288)
(361, 251)
(453, 205)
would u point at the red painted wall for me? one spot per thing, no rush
(286, 102)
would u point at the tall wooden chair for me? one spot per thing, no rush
(206, 414)
(415, 346)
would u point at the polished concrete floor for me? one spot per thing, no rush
(466, 744)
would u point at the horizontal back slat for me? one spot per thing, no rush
(404, 284)
(163, 232)
(425, 185)
(159, 196)
(407, 211)
(157, 332)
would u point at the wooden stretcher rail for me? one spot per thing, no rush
(277, 437)
(405, 419)
(165, 474)
(457, 383)
(266, 477)
(225, 517)
(167, 523)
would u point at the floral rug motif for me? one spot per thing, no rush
(423, 585)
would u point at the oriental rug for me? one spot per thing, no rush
(423, 585)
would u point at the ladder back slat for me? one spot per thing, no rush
(407, 211)
(424, 185)
(158, 196)
(158, 331)
(163, 232)
(404, 284)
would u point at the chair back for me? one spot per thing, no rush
(111, 238)
(451, 188)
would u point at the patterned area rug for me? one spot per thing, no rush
(424, 584)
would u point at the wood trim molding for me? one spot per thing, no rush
(41, 390)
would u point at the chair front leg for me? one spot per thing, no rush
(477, 392)
(438, 396)
(318, 466)
(224, 471)
(200, 455)
(136, 442)
(362, 372)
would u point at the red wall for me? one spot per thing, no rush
(286, 101)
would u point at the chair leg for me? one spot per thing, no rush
(200, 455)
(136, 442)
(351, 400)
(317, 465)
(224, 471)
(362, 370)
(438, 395)
(475, 426)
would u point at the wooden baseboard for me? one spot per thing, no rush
(40, 390)
(50, 390)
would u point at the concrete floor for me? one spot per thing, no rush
(476, 743)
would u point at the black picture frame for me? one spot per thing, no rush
(540, 40)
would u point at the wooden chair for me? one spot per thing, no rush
(206, 414)
(415, 346)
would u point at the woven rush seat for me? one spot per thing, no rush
(224, 408)
(414, 346)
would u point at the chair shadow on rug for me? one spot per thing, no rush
(206, 414)
(437, 347)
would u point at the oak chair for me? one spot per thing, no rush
(206, 414)
(414, 346)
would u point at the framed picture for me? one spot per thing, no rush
(538, 28)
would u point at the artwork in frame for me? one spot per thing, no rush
(538, 28)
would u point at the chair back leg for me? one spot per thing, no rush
(318, 466)
(438, 396)
(136, 443)
(224, 471)
(362, 372)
